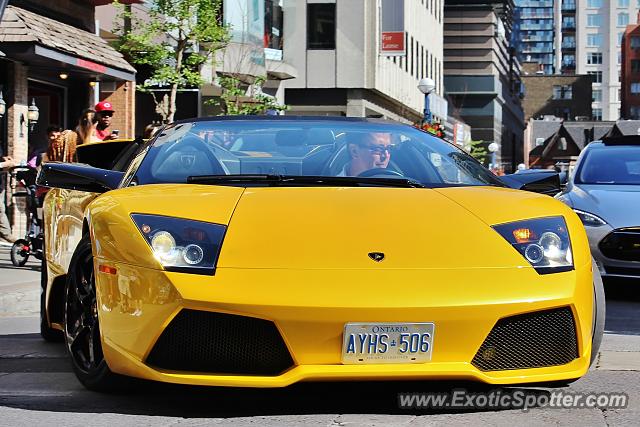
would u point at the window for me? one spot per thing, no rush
(623, 19)
(597, 76)
(623, 3)
(594, 3)
(596, 95)
(321, 26)
(635, 88)
(594, 20)
(594, 58)
(597, 114)
(594, 40)
(635, 65)
(620, 36)
(562, 92)
(635, 41)
(634, 113)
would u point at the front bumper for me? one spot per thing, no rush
(310, 309)
(610, 267)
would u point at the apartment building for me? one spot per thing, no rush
(482, 75)
(342, 64)
(601, 25)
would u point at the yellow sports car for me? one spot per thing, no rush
(263, 251)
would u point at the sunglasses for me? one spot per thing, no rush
(378, 149)
(105, 114)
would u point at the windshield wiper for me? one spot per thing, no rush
(303, 180)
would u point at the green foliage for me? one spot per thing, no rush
(478, 151)
(236, 101)
(173, 40)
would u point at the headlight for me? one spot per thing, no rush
(182, 245)
(589, 219)
(543, 242)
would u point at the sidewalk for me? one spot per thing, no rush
(19, 294)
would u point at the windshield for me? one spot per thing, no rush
(303, 148)
(610, 165)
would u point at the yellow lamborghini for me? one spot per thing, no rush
(263, 251)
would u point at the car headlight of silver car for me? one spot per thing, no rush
(182, 245)
(589, 219)
(543, 242)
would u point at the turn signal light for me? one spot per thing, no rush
(522, 235)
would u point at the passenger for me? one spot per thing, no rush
(367, 151)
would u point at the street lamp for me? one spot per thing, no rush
(493, 148)
(3, 106)
(426, 86)
(33, 114)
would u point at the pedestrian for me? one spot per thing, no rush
(104, 113)
(63, 147)
(6, 163)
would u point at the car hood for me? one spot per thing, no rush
(334, 227)
(618, 205)
(320, 228)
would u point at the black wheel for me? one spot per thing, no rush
(48, 333)
(82, 326)
(20, 255)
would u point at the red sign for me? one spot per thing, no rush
(392, 42)
(91, 65)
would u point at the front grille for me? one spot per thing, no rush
(622, 244)
(622, 271)
(200, 341)
(532, 340)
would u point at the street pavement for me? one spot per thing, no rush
(38, 387)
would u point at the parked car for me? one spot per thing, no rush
(247, 251)
(604, 191)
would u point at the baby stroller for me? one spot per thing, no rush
(32, 243)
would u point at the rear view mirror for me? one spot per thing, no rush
(73, 176)
(543, 182)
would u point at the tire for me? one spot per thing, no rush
(599, 312)
(18, 257)
(48, 333)
(81, 324)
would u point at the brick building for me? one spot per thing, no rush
(564, 96)
(54, 62)
(630, 73)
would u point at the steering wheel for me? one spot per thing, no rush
(379, 172)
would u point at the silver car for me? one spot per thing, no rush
(604, 190)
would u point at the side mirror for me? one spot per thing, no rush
(542, 182)
(74, 176)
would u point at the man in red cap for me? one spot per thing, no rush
(104, 113)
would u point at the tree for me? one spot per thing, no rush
(478, 151)
(173, 41)
(237, 99)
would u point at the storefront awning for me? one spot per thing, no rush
(42, 41)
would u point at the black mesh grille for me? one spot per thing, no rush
(200, 341)
(622, 271)
(622, 244)
(532, 340)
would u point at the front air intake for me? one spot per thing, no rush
(219, 343)
(532, 340)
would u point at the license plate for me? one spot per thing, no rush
(387, 343)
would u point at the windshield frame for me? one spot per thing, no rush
(481, 176)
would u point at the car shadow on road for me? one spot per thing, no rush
(300, 399)
(38, 376)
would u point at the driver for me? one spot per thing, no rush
(367, 151)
